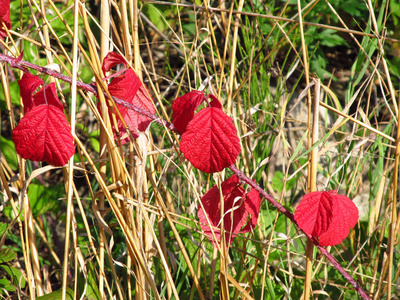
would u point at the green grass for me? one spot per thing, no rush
(180, 46)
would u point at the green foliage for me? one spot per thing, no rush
(7, 255)
(7, 148)
(44, 199)
(279, 179)
(3, 228)
(14, 95)
(56, 295)
(5, 284)
(17, 278)
(89, 283)
(157, 14)
(14, 277)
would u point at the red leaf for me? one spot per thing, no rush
(234, 218)
(135, 121)
(129, 88)
(183, 109)
(345, 216)
(125, 86)
(210, 142)
(44, 134)
(215, 102)
(27, 85)
(111, 60)
(326, 216)
(4, 17)
(50, 98)
(252, 205)
(314, 213)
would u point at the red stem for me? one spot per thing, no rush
(22, 65)
(290, 216)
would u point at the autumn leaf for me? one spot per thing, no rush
(345, 216)
(236, 209)
(314, 213)
(184, 107)
(4, 17)
(28, 85)
(111, 60)
(209, 138)
(43, 134)
(215, 102)
(129, 88)
(252, 204)
(210, 142)
(326, 216)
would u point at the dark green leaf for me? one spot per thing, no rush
(14, 95)
(56, 295)
(90, 282)
(7, 255)
(16, 275)
(330, 38)
(6, 285)
(3, 228)
(7, 148)
(43, 199)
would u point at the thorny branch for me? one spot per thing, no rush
(23, 65)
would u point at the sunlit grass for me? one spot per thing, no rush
(134, 227)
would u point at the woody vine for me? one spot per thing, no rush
(208, 140)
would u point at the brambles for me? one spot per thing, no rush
(211, 144)
(123, 241)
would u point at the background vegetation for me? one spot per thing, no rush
(126, 225)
